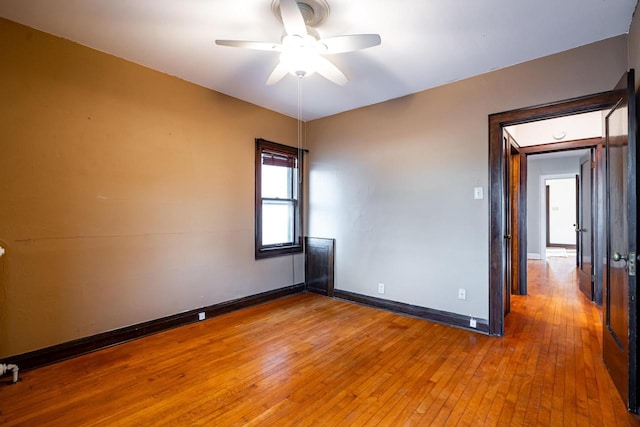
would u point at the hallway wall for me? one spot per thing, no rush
(535, 168)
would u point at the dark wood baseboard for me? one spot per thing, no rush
(67, 350)
(444, 317)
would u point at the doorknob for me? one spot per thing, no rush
(630, 259)
(617, 257)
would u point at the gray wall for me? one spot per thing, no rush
(393, 182)
(536, 167)
(634, 47)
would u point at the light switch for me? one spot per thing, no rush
(477, 193)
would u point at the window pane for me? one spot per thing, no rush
(277, 222)
(276, 182)
(278, 199)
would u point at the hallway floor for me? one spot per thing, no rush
(563, 334)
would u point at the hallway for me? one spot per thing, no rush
(562, 332)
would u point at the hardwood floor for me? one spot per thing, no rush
(311, 360)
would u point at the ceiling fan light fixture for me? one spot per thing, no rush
(301, 47)
(294, 42)
(299, 54)
(300, 63)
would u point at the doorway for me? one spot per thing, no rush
(616, 252)
(550, 167)
(547, 156)
(560, 212)
(500, 220)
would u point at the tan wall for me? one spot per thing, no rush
(125, 194)
(393, 182)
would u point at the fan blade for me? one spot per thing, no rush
(326, 69)
(292, 18)
(278, 73)
(342, 44)
(272, 47)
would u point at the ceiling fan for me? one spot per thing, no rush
(301, 47)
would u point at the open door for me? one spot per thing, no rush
(518, 252)
(619, 331)
(584, 226)
(577, 224)
(508, 272)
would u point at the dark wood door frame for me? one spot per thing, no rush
(497, 202)
(519, 195)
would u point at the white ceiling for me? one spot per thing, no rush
(424, 43)
(560, 129)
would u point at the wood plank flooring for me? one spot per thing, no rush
(311, 360)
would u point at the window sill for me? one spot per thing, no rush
(277, 251)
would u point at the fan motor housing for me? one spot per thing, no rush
(314, 12)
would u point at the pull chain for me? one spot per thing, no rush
(299, 128)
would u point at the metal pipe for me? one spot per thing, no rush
(4, 368)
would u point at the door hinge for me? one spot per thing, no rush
(593, 165)
(593, 278)
(632, 263)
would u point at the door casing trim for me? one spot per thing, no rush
(497, 204)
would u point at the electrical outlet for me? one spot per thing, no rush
(381, 288)
(201, 315)
(462, 294)
(472, 322)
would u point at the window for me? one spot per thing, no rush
(278, 199)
